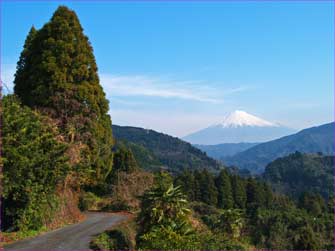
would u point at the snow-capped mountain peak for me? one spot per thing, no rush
(242, 118)
(239, 126)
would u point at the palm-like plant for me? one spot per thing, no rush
(166, 205)
(231, 220)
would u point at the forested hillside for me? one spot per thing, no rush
(241, 212)
(310, 140)
(298, 173)
(155, 150)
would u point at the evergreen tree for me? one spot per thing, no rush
(197, 179)
(57, 74)
(255, 197)
(239, 193)
(313, 203)
(208, 189)
(124, 161)
(268, 195)
(187, 181)
(24, 63)
(255, 193)
(225, 196)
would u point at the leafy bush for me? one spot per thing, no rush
(169, 237)
(111, 240)
(117, 206)
(121, 237)
(33, 166)
(89, 201)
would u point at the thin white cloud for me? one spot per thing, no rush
(140, 85)
(118, 87)
(180, 124)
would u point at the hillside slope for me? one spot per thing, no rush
(298, 173)
(164, 151)
(311, 140)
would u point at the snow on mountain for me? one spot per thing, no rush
(242, 118)
(237, 127)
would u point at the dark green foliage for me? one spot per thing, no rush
(117, 206)
(88, 201)
(57, 74)
(290, 229)
(188, 183)
(172, 153)
(255, 196)
(225, 193)
(199, 186)
(313, 203)
(165, 222)
(26, 56)
(115, 239)
(163, 204)
(164, 217)
(124, 160)
(258, 215)
(225, 190)
(208, 190)
(239, 192)
(298, 173)
(174, 236)
(144, 157)
(34, 165)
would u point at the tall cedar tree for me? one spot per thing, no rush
(255, 193)
(187, 181)
(57, 74)
(225, 195)
(208, 189)
(239, 192)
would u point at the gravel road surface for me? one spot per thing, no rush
(72, 237)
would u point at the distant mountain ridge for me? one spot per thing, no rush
(238, 127)
(154, 150)
(310, 140)
(221, 151)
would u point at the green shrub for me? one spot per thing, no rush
(34, 165)
(120, 238)
(89, 201)
(117, 206)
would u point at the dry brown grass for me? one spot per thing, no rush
(68, 212)
(130, 186)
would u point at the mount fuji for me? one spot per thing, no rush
(237, 127)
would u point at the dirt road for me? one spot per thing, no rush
(72, 237)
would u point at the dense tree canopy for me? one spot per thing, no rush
(57, 74)
(225, 194)
(34, 165)
(298, 173)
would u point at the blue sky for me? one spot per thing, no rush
(177, 67)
